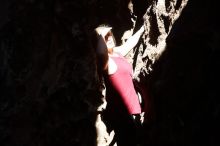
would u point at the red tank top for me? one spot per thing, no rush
(122, 82)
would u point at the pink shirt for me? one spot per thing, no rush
(122, 82)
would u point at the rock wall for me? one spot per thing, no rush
(48, 74)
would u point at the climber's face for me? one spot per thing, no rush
(109, 40)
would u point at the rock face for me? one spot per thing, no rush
(50, 90)
(158, 20)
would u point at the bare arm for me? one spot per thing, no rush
(130, 43)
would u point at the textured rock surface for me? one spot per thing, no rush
(158, 20)
(48, 79)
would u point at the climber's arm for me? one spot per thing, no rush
(130, 43)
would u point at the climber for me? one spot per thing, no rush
(123, 104)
